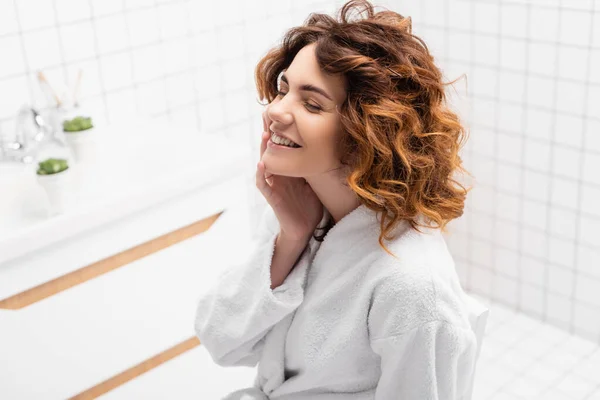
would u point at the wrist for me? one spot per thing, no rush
(297, 239)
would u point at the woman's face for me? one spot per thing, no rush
(306, 117)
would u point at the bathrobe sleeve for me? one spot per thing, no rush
(234, 316)
(433, 361)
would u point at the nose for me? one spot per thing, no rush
(279, 111)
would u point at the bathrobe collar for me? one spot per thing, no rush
(358, 223)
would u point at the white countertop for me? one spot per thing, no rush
(139, 164)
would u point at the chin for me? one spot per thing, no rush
(283, 172)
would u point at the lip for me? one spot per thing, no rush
(284, 136)
(278, 147)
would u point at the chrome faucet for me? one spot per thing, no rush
(31, 131)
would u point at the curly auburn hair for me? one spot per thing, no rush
(401, 141)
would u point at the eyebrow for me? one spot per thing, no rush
(308, 87)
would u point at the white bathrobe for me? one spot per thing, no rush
(349, 322)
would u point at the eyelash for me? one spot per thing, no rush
(307, 105)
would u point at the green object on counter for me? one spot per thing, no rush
(77, 124)
(52, 166)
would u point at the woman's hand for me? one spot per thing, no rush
(295, 204)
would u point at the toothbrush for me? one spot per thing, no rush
(48, 89)
(76, 88)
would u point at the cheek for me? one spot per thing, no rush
(322, 145)
(331, 137)
(320, 130)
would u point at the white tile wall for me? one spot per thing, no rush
(529, 237)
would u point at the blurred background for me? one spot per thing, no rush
(528, 244)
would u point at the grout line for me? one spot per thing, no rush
(98, 63)
(526, 3)
(511, 37)
(421, 25)
(516, 135)
(531, 73)
(107, 53)
(192, 70)
(514, 3)
(549, 204)
(542, 172)
(445, 59)
(61, 46)
(580, 183)
(495, 173)
(162, 59)
(129, 49)
(74, 22)
(25, 58)
(540, 108)
(521, 196)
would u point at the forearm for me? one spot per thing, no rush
(286, 254)
(235, 314)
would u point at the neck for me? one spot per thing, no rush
(336, 197)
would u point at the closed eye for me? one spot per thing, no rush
(313, 109)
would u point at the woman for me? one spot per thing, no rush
(366, 152)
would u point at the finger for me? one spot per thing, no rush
(266, 174)
(263, 143)
(269, 179)
(260, 177)
(261, 182)
(267, 122)
(266, 119)
(265, 136)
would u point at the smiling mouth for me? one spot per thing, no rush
(283, 141)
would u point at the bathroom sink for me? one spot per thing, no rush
(136, 165)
